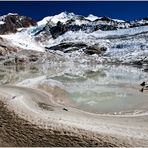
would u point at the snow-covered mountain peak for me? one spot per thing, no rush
(91, 17)
(65, 14)
(3, 16)
(12, 21)
(120, 21)
(62, 17)
(12, 14)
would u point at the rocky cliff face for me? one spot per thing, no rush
(11, 22)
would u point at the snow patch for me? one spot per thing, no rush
(24, 40)
(12, 14)
(120, 32)
(119, 21)
(1, 22)
(62, 17)
(44, 21)
(91, 17)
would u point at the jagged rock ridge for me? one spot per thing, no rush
(11, 22)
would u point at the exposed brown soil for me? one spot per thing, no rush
(15, 131)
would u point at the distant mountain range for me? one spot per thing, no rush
(113, 39)
(67, 22)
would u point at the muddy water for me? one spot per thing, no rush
(105, 89)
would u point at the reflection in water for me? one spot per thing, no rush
(94, 88)
(13, 74)
(104, 88)
(92, 74)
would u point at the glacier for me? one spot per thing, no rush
(124, 45)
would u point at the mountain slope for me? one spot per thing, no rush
(74, 36)
(11, 22)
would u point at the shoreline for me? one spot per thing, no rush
(104, 130)
(16, 131)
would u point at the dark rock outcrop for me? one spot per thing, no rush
(6, 48)
(95, 50)
(64, 46)
(13, 21)
(67, 47)
(70, 47)
(61, 28)
(58, 30)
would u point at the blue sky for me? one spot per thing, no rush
(127, 10)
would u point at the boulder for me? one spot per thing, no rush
(70, 47)
(95, 49)
(65, 47)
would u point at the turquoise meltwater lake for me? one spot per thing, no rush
(102, 89)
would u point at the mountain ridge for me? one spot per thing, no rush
(112, 40)
(91, 22)
(12, 21)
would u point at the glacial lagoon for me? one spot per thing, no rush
(100, 89)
